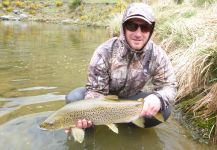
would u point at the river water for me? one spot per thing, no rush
(39, 64)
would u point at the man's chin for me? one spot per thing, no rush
(137, 48)
(137, 45)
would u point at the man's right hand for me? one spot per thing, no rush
(82, 123)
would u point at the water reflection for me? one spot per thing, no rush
(129, 137)
(33, 55)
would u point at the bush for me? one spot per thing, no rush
(32, 12)
(19, 4)
(10, 9)
(5, 3)
(33, 6)
(58, 3)
(75, 3)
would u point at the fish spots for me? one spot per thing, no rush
(100, 112)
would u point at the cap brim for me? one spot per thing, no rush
(139, 17)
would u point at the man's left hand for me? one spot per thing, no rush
(151, 106)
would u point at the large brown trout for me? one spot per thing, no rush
(106, 110)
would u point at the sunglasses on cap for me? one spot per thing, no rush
(131, 26)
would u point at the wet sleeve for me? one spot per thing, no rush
(164, 79)
(98, 74)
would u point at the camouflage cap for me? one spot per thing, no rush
(139, 10)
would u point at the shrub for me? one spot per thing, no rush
(58, 3)
(32, 12)
(119, 7)
(19, 4)
(5, 3)
(75, 3)
(83, 17)
(10, 9)
(33, 6)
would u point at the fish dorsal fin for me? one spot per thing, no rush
(113, 127)
(139, 122)
(111, 97)
(159, 116)
(78, 134)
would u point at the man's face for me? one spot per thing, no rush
(137, 33)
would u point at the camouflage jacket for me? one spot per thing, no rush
(115, 68)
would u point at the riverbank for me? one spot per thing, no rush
(65, 12)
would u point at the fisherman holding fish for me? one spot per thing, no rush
(123, 65)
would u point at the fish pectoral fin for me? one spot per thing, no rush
(113, 127)
(159, 116)
(78, 134)
(139, 122)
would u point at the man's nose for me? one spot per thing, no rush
(138, 32)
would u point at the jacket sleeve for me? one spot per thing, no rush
(98, 73)
(163, 79)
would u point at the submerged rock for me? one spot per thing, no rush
(10, 18)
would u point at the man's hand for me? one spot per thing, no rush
(81, 124)
(84, 123)
(151, 106)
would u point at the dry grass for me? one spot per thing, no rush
(210, 100)
(195, 63)
(191, 43)
(114, 24)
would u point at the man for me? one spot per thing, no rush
(123, 65)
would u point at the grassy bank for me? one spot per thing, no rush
(188, 32)
(88, 12)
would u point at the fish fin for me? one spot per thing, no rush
(78, 134)
(159, 117)
(139, 122)
(140, 100)
(111, 97)
(113, 127)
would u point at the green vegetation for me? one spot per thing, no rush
(58, 3)
(5, 3)
(189, 14)
(20, 4)
(202, 2)
(9, 9)
(75, 3)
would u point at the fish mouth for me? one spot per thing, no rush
(43, 128)
(46, 129)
